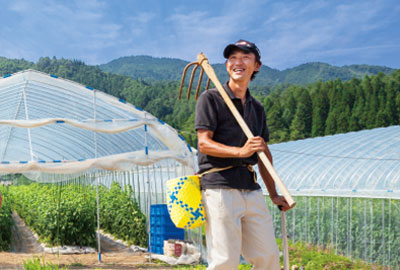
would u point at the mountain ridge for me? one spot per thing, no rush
(151, 68)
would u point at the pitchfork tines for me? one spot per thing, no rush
(196, 65)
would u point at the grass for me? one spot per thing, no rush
(300, 254)
(36, 264)
(310, 258)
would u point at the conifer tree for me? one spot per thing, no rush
(320, 103)
(300, 127)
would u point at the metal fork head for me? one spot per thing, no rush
(185, 70)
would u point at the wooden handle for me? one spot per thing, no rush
(285, 247)
(203, 61)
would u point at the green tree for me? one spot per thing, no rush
(300, 127)
(320, 103)
(289, 106)
(275, 120)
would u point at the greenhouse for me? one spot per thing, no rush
(347, 189)
(55, 131)
(81, 140)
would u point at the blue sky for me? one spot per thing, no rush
(288, 33)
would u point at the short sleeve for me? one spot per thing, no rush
(206, 112)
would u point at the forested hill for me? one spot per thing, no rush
(293, 112)
(160, 69)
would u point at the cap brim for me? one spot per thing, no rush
(228, 50)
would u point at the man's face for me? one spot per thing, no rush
(241, 65)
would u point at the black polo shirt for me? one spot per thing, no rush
(213, 114)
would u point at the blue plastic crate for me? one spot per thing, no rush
(159, 210)
(161, 221)
(159, 249)
(162, 228)
(159, 239)
(167, 231)
(159, 215)
(178, 234)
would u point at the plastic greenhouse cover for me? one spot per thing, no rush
(53, 125)
(356, 164)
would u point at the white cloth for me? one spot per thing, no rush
(239, 222)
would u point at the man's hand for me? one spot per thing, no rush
(280, 201)
(253, 145)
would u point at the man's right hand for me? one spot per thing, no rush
(253, 145)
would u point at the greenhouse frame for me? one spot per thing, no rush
(347, 189)
(57, 131)
(347, 186)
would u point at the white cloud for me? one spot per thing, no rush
(70, 29)
(140, 23)
(201, 31)
(287, 32)
(295, 31)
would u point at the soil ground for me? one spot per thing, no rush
(25, 247)
(114, 260)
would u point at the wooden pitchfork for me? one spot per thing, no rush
(203, 63)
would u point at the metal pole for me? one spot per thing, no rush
(383, 231)
(351, 217)
(389, 228)
(337, 221)
(365, 230)
(95, 174)
(294, 224)
(148, 188)
(332, 219)
(307, 240)
(98, 215)
(318, 217)
(371, 232)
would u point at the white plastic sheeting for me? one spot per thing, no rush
(50, 125)
(356, 164)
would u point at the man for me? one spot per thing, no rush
(238, 220)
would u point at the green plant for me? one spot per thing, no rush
(36, 264)
(66, 214)
(121, 215)
(6, 221)
(60, 215)
(356, 227)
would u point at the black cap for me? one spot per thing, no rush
(244, 46)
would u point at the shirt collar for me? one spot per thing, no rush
(232, 96)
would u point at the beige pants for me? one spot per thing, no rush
(239, 222)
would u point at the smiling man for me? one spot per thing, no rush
(238, 220)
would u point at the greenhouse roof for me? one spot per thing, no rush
(356, 164)
(49, 124)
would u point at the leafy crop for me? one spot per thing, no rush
(122, 216)
(59, 215)
(66, 214)
(6, 221)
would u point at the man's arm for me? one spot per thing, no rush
(212, 148)
(270, 184)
